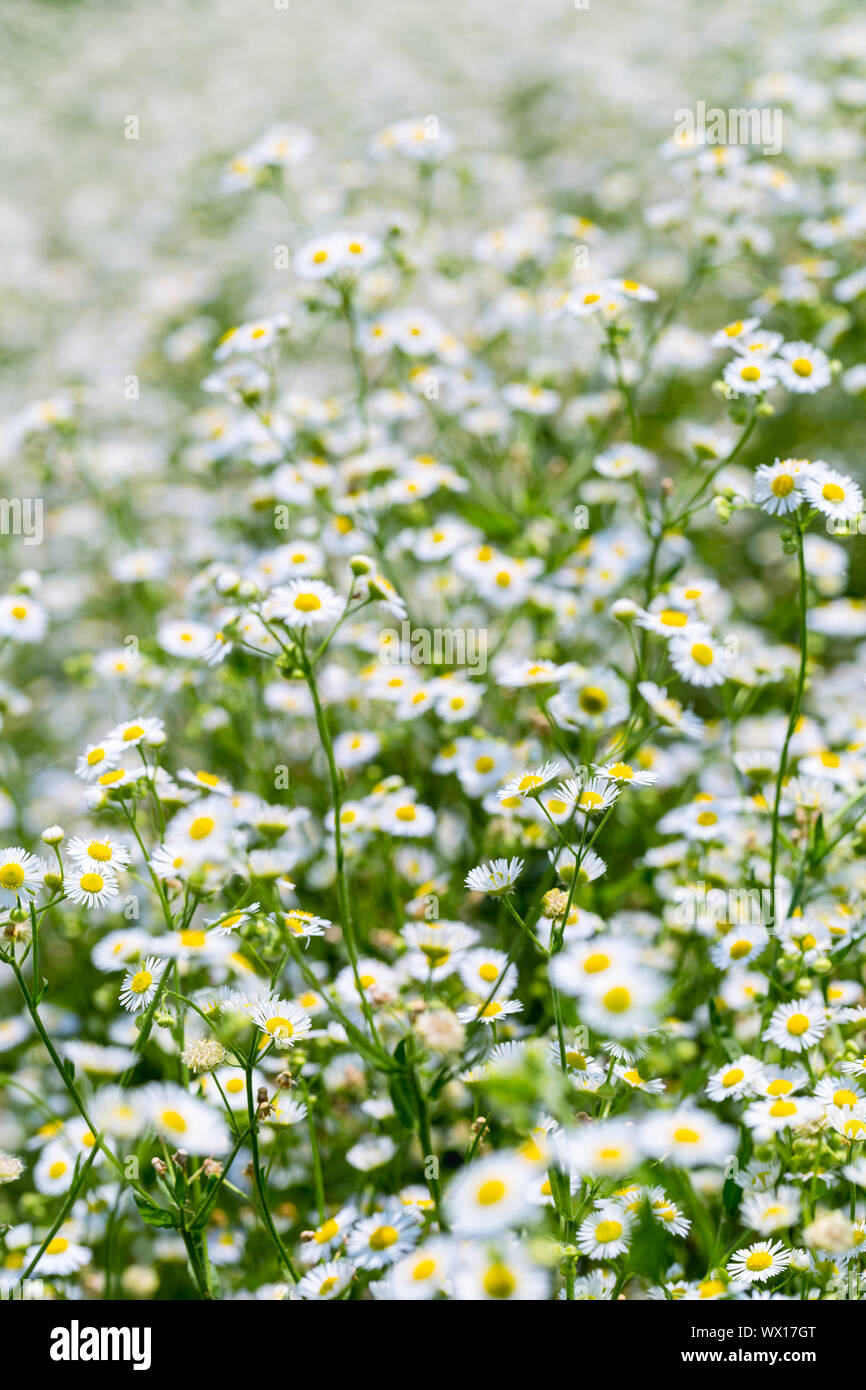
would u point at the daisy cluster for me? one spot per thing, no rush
(431, 801)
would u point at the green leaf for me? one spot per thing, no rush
(403, 1099)
(151, 1214)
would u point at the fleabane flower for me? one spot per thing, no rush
(778, 487)
(605, 1234)
(383, 1239)
(140, 984)
(489, 1195)
(499, 876)
(802, 368)
(834, 494)
(688, 1137)
(21, 874)
(97, 852)
(748, 376)
(699, 660)
(304, 603)
(530, 783)
(759, 1262)
(797, 1026)
(282, 1021)
(88, 886)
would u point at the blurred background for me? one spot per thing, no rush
(103, 235)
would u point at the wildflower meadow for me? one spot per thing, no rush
(433, 653)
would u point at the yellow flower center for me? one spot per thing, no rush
(759, 1259)
(593, 699)
(845, 1097)
(307, 603)
(702, 654)
(798, 1024)
(617, 1000)
(499, 1282)
(607, 1231)
(279, 1027)
(802, 366)
(781, 1109)
(11, 876)
(201, 827)
(489, 1193)
(383, 1237)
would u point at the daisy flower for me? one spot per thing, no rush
(328, 1237)
(140, 984)
(62, 1256)
(381, 1240)
(607, 1148)
(480, 969)
(803, 368)
(304, 924)
(232, 920)
(605, 1234)
(834, 494)
(797, 1026)
(327, 1280)
(624, 774)
(688, 1138)
(622, 1003)
(54, 1172)
(499, 876)
(733, 332)
(700, 661)
(21, 619)
(96, 759)
(304, 603)
(98, 853)
(775, 1210)
(21, 874)
(747, 376)
(136, 731)
(183, 1120)
(282, 1020)
(778, 487)
(489, 1196)
(759, 1262)
(490, 1013)
(735, 1079)
(90, 887)
(530, 783)
(670, 711)
(424, 1273)
(499, 1273)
